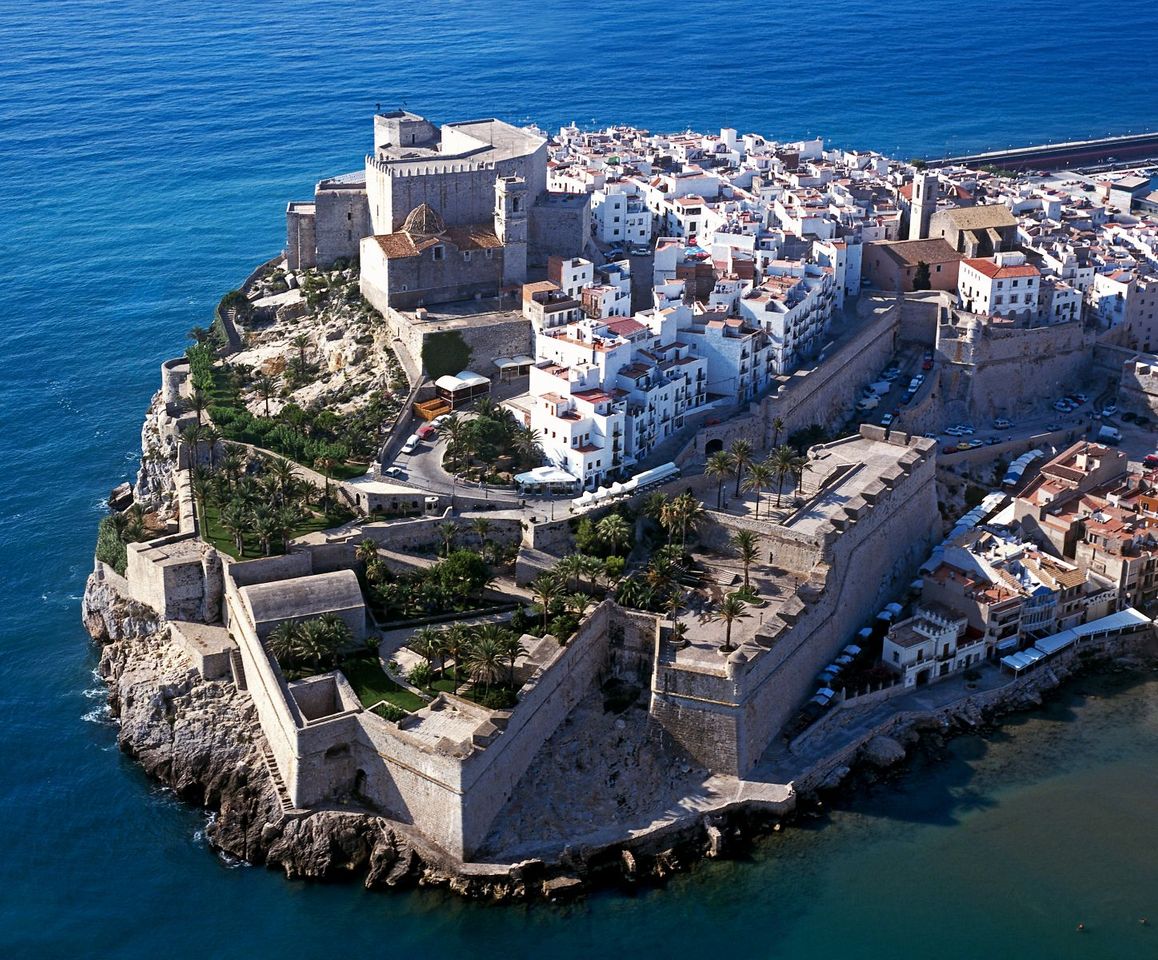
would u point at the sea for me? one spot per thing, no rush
(147, 152)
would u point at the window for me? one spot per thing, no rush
(489, 253)
(938, 268)
(349, 215)
(466, 255)
(439, 252)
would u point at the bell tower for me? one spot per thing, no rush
(511, 227)
(926, 185)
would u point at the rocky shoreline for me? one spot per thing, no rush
(202, 739)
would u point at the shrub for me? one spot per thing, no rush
(497, 698)
(421, 674)
(387, 711)
(110, 548)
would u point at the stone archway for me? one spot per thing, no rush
(713, 446)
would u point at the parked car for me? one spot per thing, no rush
(926, 364)
(964, 445)
(887, 420)
(1001, 424)
(993, 440)
(411, 443)
(975, 443)
(906, 396)
(394, 472)
(1109, 410)
(1142, 420)
(1150, 461)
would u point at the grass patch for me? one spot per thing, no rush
(212, 532)
(371, 684)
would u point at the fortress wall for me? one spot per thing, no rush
(870, 563)
(279, 718)
(412, 782)
(1138, 390)
(727, 717)
(1007, 372)
(289, 566)
(490, 776)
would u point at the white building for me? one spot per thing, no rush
(619, 214)
(793, 305)
(929, 646)
(1003, 285)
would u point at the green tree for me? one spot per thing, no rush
(614, 531)
(777, 428)
(484, 658)
(428, 642)
(570, 568)
(446, 533)
(747, 549)
(512, 645)
(546, 588)
(759, 479)
(235, 521)
(922, 279)
(266, 388)
(731, 608)
(719, 468)
(783, 460)
(740, 453)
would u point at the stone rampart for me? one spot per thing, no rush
(726, 715)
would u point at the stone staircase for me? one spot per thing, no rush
(238, 669)
(287, 806)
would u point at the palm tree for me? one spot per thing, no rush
(367, 552)
(447, 532)
(265, 527)
(281, 472)
(577, 602)
(747, 548)
(759, 477)
(546, 588)
(326, 464)
(719, 467)
(684, 513)
(570, 567)
(653, 505)
(512, 649)
(783, 462)
(740, 453)
(731, 608)
(484, 659)
(592, 568)
(301, 341)
(191, 435)
(614, 531)
(777, 426)
(200, 481)
(211, 436)
(232, 464)
(266, 388)
(526, 445)
(197, 402)
(337, 632)
(455, 640)
(454, 429)
(799, 466)
(234, 519)
(288, 517)
(284, 643)
(427, 642)
(481, 527)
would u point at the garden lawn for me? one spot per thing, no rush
(371, 684)
(212, 531)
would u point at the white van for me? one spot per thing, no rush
(411, 443)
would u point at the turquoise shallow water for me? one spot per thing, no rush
(146, 155)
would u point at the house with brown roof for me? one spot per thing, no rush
(893, 266)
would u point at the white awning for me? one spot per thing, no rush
(545, 474)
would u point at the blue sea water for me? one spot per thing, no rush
(146, 154)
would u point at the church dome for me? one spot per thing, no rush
(424, 220)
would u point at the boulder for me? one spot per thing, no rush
(883, 752)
